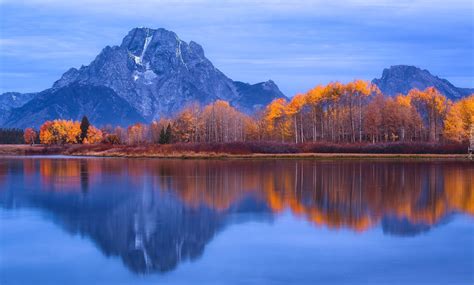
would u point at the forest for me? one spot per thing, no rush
(336, 113)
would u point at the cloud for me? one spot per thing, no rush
(258, 9)
(18, 74)
(42, 47)
(249, 40)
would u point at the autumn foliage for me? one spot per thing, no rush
(94, 136)
(460, 119)
(336, 113)
(30, 136)
(60, 132)
(67, 132)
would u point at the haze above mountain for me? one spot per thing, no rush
(154, 74)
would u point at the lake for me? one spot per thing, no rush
(149, 221)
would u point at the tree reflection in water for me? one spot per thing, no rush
(156, 213)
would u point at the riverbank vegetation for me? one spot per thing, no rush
(248, 150)
(354, 117)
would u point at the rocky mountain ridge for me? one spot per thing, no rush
(402, 78)
(155, 73)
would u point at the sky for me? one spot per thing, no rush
(298, 44)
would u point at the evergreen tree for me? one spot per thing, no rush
(84, 128)
(162, 139)
(168, 134)
(11, 136)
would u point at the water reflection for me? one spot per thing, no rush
(156, 213)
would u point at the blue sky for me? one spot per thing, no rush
(298, 44)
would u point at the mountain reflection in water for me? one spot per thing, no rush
(156, 213)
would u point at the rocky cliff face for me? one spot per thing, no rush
(402, 78)
(157, 74)
(11, 100)
(256, 96)
(100, 104)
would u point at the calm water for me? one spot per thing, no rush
(122, 221)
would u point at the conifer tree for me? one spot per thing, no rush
(168, 134)
(84, 128)
(162, 139)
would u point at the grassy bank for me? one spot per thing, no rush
(249, 150)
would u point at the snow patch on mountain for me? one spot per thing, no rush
(139, 59)
(179, 54)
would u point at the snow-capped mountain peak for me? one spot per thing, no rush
(158, 74)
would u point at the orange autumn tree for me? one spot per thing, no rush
(60, 132)
(274, 119)
(136, 133)
(314, 99)
(361, 90)
(47, 133)
(94, 135)
(185, 125)
(30, 136)
(409, 122)
(294, 112)
(72, 130)
(432, 107)
(373, 118)
(460, 120)
(399, 119)
(333, 95)
(221, 122)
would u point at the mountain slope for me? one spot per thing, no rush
(100, 104)
(156, 74)
(403, 78)
(10, 100)
(256, 96)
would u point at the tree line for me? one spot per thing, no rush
(11, 136)
(356, 112)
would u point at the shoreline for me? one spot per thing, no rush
(104, 151)
(307, 156)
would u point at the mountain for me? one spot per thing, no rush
(403, 78)
(257, 95)
(100, 104)
(155, 73)
(11, 100)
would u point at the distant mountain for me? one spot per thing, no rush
(11, 100)
(100, 104)
(155, 73)
(402, 78)
(256, 96)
